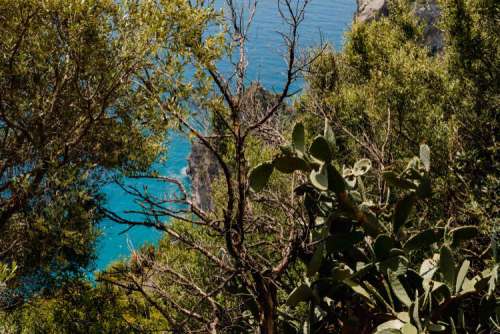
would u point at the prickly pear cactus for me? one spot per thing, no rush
(367, 272)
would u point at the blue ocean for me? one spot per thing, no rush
(325, 20)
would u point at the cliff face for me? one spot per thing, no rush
(370, 10)
(202, 165)
(203, 170)
(427, 11)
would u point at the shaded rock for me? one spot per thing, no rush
(203, 170)
(429, 13)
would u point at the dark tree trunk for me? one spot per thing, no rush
(267, 301)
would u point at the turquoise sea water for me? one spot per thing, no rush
(325, 19)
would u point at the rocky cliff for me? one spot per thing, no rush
(203, 170)
(427, 11)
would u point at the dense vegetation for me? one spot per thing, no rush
(366, 204)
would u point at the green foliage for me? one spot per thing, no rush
(473, 71)
(6, 273)
(381, 266)
(174, 275)
(80, 308)
(64, 116)
(381, 246)
(391, 94)
(76, 107)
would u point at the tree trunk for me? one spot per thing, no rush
(266, 295)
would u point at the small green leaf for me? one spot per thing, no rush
(436, 328)
(413, 279)
(329, 136)
(358, 289)
(462, 233)
(259, 176)
(394, 180)
(289, 165)
(306, 328)
(397, 264)
(492, 282)
(409, 329)
(315, 262)
(402, 211)
(453, 327)
(398, 288)
(319, 179)
(424, 239)
(383, 245)
(298, 137)
(425, 156)
(462, 273)
(336, 182)
(428, 268)
(483, 280)
(391, 324)
(447, 266)
(424, 189)
(320, 149)
(415, 315)
(468, 284)
(301, 293)
(361, 167)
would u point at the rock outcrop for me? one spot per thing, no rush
(427, 11)
(203, 167)
(369, 10)
(203, 170)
